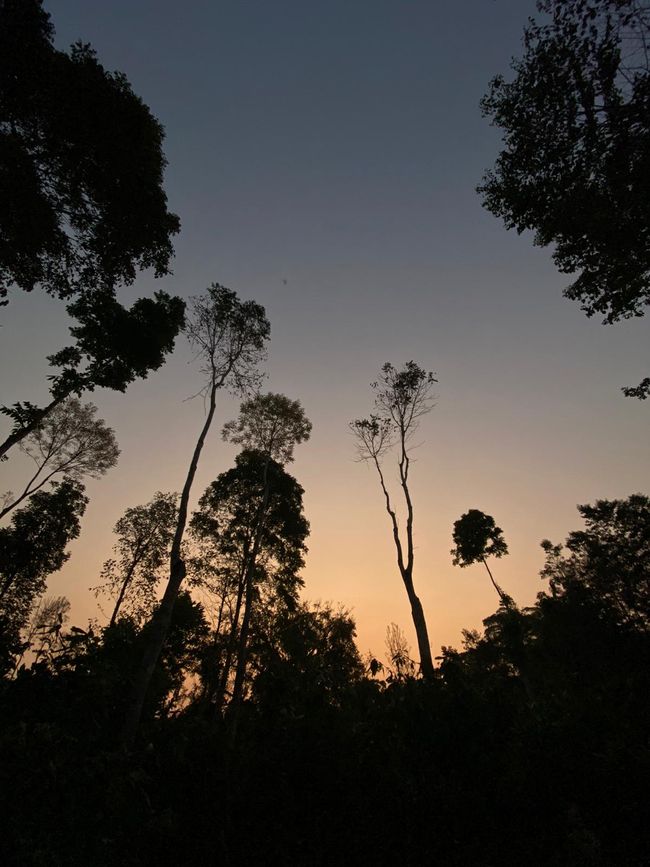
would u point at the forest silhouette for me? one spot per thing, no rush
(215, 717)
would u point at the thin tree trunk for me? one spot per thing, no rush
(406, 571)
(230, 651)
(122, 593)
(16, 436)
(161, 620)
(210, 674)
(502, 596)
(242, 649)
(240, 670)
(421, 632)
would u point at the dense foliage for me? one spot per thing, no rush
(529, 744)
(81, 166)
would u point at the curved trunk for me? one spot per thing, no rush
(161, 620)
(421, 632)
(406, 569)
(502, 596)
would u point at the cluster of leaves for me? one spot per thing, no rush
(576, 157)
(81, 166)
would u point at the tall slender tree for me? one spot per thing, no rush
(229, 337)
(272, 425)
(477, 537)
(402, 398)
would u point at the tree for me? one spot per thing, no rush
(113, 347)
(272, 425)
(45, 627)
(31, 548)
(576, 159)
(81, 166)
(608, 561)
(476, 537)
(229, 528)
(144, 538)
(402, 398)
(82, 208)
(304, 657)
(229, 336)
(70, 441)
(398, 649)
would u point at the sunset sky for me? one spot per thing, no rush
(323, 159)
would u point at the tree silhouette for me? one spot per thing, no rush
(82, 208)
(81, 166)
(402, 397)
(272, 425)
(229, 337)
(251, 530)
(31, 548)
(144, 538)
(576, 159)
(70, 441)
(609, 560)
(113, 347)
(477, 537)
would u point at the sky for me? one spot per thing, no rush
(323, 159)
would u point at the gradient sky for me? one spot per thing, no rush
(323, 158)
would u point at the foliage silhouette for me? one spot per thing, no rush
(251, 528)
(144, 538)
(476, 537)
(576, 159)
(114, 346)
(81, 166)
(333, 768)
(31, 548)
(70, 441)
(609, 560)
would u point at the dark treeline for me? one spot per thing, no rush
(214, 717)
(527, 745)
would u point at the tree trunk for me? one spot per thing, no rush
(242, 649)
(122, 593)
(502, 596)
(421, 632)
(161, 620)
(158, 631)
(406, 568)
(223, 680)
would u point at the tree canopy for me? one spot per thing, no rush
(81, 166)
(576, 159)
(71, 442)
(575, 164)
